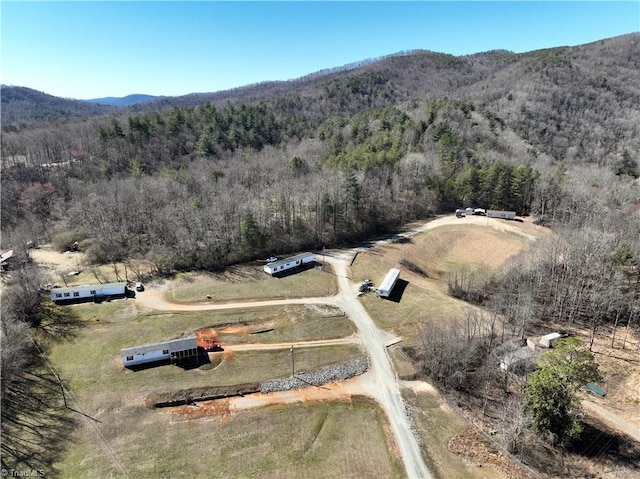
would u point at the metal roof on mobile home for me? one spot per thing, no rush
(90, 287)
(173, 345)
(290, 259)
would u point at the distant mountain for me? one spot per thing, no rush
(124, 101)
(23, 106)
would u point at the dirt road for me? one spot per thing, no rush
(611, 419)
(384, 385)
(380, 381)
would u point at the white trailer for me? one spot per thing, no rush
(385, 288)
(100, 291)
(175, 350)
(288, 263)
(505, 215)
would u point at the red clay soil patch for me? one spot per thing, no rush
(470, 444)
(205, 336)
(217, 408)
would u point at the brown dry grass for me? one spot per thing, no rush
(311, 440)
(620, 369)
(425, 300)
(437, 250)
(437, 425)
(470, 445)
(248, 282)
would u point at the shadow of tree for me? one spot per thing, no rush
(58, 323)
(35, 422)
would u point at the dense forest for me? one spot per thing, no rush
(334, 158)
(209, 180)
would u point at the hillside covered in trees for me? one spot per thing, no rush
(336, 157)
(212, 179)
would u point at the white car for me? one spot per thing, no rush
(272, 259)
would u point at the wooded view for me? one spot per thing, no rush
(203, 182)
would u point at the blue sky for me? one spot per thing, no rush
(88, 49)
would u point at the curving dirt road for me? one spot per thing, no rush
(380, 381)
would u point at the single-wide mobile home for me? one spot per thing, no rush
(385, 288)
(288, 263)
(505, 215)
(175, 350)
(99, 291)
(550, 340)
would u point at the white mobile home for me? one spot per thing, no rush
(385, 288)
(99, 291)
(175, 350)
(505, 215)
(550, 340)
(288, 263)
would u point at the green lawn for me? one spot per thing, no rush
(251, 283)
(312, 440)
(92, 359)
(293, 441)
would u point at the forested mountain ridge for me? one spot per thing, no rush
(323, 160)
(128, 100)
(548, 96)
(23, 107)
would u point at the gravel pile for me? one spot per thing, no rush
(335, 372)
(412, 424)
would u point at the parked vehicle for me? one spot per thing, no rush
(139, 287)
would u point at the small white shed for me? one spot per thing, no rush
(549, 340)
(513, 359)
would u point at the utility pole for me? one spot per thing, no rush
(293, 363)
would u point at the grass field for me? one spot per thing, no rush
(251, 283)
(437, 425)
(424, 299)
(92, 359)
(316, 440)
(279, 442)
(311, 440)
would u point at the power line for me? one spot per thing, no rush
(67, 389)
